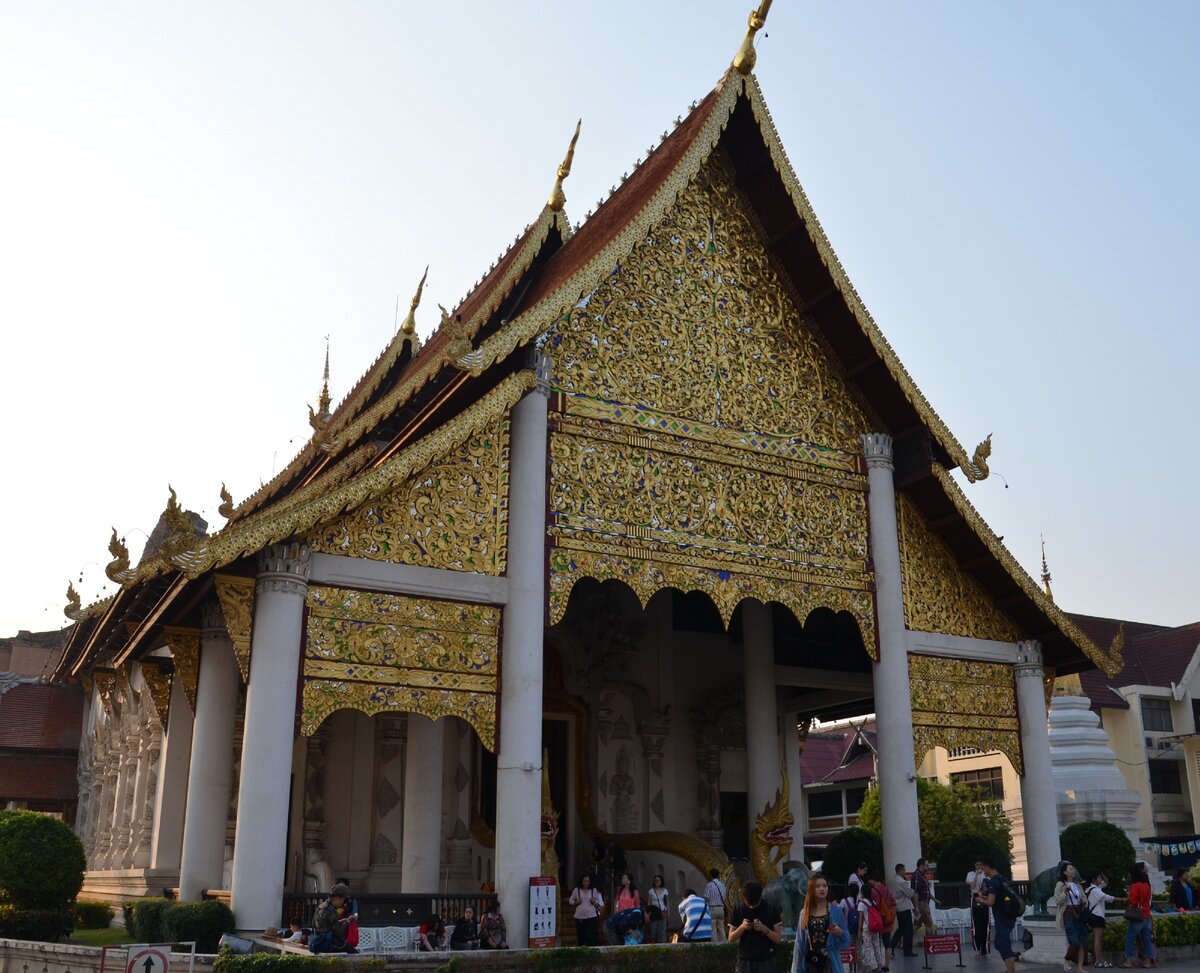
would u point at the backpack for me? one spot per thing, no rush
(887, 908)
(1009, 904)
(874, 919)
(851, 916)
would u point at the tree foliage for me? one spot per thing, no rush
(947, 811)
(1093, 846)
(848, 848)
(41, 861)
(959, 855)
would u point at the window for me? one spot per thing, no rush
(1156, 714)
(990, 781)
(854, 799)
(1196, 715)
(1164, 778)
(825, 804)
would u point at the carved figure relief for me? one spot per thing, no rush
(622, 789)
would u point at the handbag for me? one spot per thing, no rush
(1133, 914)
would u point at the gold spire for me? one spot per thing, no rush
(409, 326)
(558, 198)
(746, 56)
(1046, 571)
(320, 418)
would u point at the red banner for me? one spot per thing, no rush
(941, 945)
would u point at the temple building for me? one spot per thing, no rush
(653, 495)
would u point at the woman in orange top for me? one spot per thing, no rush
(1139, 932)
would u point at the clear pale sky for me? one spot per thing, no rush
(193, 196)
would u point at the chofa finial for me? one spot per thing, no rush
(746, 57)
(409, 327)
(320, 418)
(558, 198)
(1046, 579)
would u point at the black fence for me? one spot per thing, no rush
(388, 909)
(951, 895)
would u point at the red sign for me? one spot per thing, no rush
(849, 957)
(942, 945)
(543, 912)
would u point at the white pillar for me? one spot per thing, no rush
(259, 859)
(173, 785)
(519, 760)
(897, 771)
(762, 732)
(1038, 804)
(422, 843)
(203, 854)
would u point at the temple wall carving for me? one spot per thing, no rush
(964, 703)
(705, 440)
(380, 653)
(939, 596)
(453, 514)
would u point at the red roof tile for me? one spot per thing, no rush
(861, 767)
(26, 777)
(38, 716)
(822, 755)
(1155, 655)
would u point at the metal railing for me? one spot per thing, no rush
(389, 909)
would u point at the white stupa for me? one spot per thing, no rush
(1088, 784)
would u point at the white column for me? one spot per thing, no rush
(203, 855)
(423, 759)
(519, 760)
(1038, 803)
(897, 771)
(762, 732)
(173, 785)
(260, 856)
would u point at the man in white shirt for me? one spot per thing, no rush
(715, 893)
(906, 900)
(980, 914)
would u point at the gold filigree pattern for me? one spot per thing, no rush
(1110, 662)
(159, 684)
(381, 652)
(236, 595)
(961, 703)
(185, 650)
(939, 596)
(453, 514)
(647, 571)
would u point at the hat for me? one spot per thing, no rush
(339, 889)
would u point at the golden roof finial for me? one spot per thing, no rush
(746, 57)
(320, 418)
(409, 326)
(558, 198)
(74, 605)
(226, 508)
(1046, 571)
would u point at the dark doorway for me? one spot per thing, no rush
(556, 742)
(735, 824)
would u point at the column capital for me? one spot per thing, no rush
(212, 619)
(878, 449)
(542, 365)
(1029, 657)
(284, 567)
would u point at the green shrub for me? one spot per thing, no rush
(960, 854)
(714, 958)
(92, 915)
(229, 962)
(1171, 930)
(203, 922)
(41, 861)
(1099, 846)
(143, 919)
(39, 925)
(848, 848)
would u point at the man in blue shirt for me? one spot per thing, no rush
(697, 918)
(990, 895)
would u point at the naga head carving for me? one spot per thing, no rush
(117, 567)
(772, 836)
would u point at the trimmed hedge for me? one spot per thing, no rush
(959, 855)
(38, 925)
(143, 919)
(707, 958)
(93, 915)
(849, 847)
(1099, 846)
(204, 922)
(41, 861)
(1181, 929)
(229, 962)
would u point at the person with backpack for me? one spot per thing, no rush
(871, 956)
(885, 902)
(1006, 906)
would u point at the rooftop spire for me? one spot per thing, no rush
(746, 56)
(1046, 571)
(321, 416)
(558, 198)
(409, 327)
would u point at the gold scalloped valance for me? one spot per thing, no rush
(380, 653)
(964, 703)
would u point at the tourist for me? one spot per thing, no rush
(756, 926)
(656, 909)
(493, 932)
(885, 902)
(432, 935)
(1068, 917)
(696, 918)
(822, 933)
(588, 902)
(466, 931)
(715, 892)
(1002, 926)
(625, 926)
(294, 933)
(857, 877)
(329, 925)
(906, 900)
(925, 899)
(1139, 933)
(979, 913)
(1181, 891)
(871, 958)
(1097, 901)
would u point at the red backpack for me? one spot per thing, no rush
(887, 906)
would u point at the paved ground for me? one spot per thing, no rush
(973, 963)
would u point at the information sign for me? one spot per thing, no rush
(543, 912)
(946, 944)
